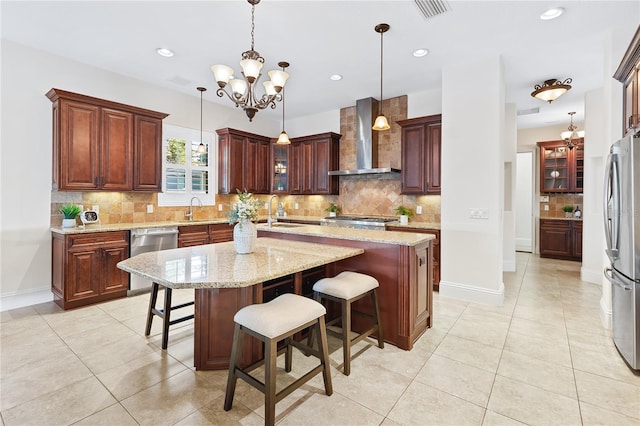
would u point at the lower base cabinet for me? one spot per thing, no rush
(561, 239)
(197, 235)
(84, 268)
(435, 247)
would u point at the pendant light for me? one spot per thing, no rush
(571, 137)
(202, 149)
(381, 122)
(283, 139)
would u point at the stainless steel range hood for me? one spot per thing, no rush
(366, 142)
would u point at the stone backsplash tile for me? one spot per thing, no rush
(557, 201)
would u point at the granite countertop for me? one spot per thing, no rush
(370, 235)
(219, 266)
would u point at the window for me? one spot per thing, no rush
(187, 173)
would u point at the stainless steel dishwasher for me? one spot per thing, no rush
(145, 240)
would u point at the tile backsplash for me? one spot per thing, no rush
(557, 201)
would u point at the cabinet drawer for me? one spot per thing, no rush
(111, 238)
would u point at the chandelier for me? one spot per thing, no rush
(570, 136)
(243, 90)
(551, 89)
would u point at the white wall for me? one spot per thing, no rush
(524, 201)
(421, 104)
(472, 177)
(510, 173)
(25, 149)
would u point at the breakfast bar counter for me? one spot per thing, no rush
(225, 282)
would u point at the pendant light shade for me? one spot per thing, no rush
(202, 149)
(381, 122)
(283, 139)
(551, 89)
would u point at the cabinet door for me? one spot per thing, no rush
(257, 166)
(422, 302)
(413, 160)
(84, 268)
(556, 239)
(325, 159)
(113, 279)
(577, 239)
(230, 163)
(147, 166)
(434, 145)
(79, 146)
(220, 233)
(302, 159)
(116, 151)
(555, 174)
(196, 235)
(577, 164)
(280, 168)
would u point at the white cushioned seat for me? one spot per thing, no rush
(282, 314)
(346, 285)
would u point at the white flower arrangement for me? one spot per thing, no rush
(245, 208)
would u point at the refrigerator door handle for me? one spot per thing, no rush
(608, 274)
(611, 204)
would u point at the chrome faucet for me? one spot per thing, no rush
(190, 214)
(270, 219)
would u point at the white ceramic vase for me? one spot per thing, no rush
(404, 219)
(245, 235)
(68, 223)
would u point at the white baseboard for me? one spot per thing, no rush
(509, 266)
(471, 293)
(590, 275)
(605, 314)
(524, 244)
(25, 299)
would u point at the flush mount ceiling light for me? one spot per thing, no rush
(570, 136)
(202, 149)
(163, 51)
(551, 89)
(336, 77)
(419, 53)
(381, 122)
(551, 13)
(243, 90)
(283, 139)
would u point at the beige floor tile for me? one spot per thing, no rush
(462, 380)
(542, 349)
(530, 328)
(374, 387)
(424, 405)
(117, 353)
(84, 343)
(68, 323)
(607, 393)
(598, 416)
(214, 414)
(482, 326)
(605, 363)
(407, 363)
(429, 340)
(542, 374)
(76, 402)
(470, 352)
(492, 418)
(20, 313)
(594, 342)
(138, 374)
(114, 415)
(442, 321)
(543, 316)
(331, 410)
(172, 400)
(532, 405)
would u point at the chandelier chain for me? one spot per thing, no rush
(253, 25)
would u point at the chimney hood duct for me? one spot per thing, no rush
(366, 142)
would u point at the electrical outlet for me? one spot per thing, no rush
(219, 207)
(95, 208)
(477, 213)
(149, 208)
(418, 209)
(544, 198)
(296, 206)
(546, 207)
(266, 205)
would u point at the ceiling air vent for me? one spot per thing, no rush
(535, 110)
(431, 8)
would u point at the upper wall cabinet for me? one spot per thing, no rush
(628, 73)
(312, 157)
(421, 145)
(561, 168)
(104, 145)
(243, 162)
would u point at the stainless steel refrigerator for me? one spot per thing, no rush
(622, 233)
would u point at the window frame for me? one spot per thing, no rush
(168, 199)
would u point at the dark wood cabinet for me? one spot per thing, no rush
(561, 168)
(561, 239)
(435, 246)
(628, 73)
(104, 145)
(197, 235)
(243, 162)
(84, 268)
(280, 168)
(421, 151)
(312, 157)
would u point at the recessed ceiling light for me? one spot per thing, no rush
(552, 13)
(419, 53)
(336, 77)
(162, 51)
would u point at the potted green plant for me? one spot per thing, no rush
(70, 212)
(333, 209)
(405, 213)
(567, 210)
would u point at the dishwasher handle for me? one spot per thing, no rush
(137, 233)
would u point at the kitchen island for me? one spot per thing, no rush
(225, 281)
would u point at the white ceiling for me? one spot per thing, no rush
(320, 38)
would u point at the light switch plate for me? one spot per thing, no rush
(219, 207)
(149, 208)
(296, 206)
(418, 209)
(546, 207)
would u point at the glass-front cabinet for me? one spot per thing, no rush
(280, 164)
(561, 168)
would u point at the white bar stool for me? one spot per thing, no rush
(272, 322)
(346, 288)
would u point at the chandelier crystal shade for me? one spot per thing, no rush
(243, 90)
(551, 89)
(571, 137)
(381, 122)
